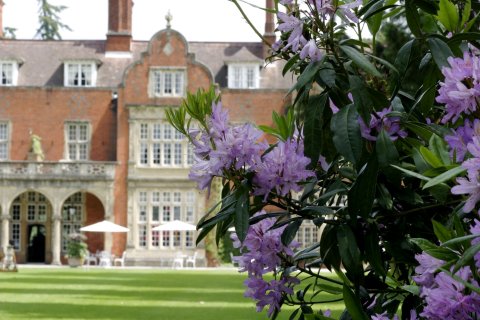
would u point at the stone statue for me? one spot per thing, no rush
(36, 147)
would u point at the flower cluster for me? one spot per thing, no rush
(461, 137)
(475, 230)
(445, 297)
(282, 169)
(292, 26)
(224, 147)
(460, 92)
(262, 252)
(381, 121)
(227, 150)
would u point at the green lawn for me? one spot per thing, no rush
(68, 293)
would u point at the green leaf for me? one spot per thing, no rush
(460, 240)
(466, 12)
(290, 64)
(329, 247)
(450, 174)
(373, 252)
(374, 18)
(385, 150)
(360, 60)
(434, 250)
(361, 97)
(242, 212)
(448, 15)
(346, 133)
(411, 173)
(440, 51)
(413, 18)
(430, 157)
(307, 76)
(442, 233)
(349, 252)
(312, 129)
(415, 290)
(362, 194)
(438, 146)
(467, 257)
(353, 304)
(327, 74)
(290, 232)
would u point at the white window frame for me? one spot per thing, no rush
(89, 81)
(244, 75)
(10, 79)
(167, 82)
(161, 146)
(4, 140)
(166, 200)
(78, 142)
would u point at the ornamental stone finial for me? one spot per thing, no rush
(169, 18)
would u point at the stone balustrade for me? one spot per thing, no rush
(81, 170)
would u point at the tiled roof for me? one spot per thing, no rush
(42, 61)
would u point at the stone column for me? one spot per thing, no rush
(5, 217)
(56, 239)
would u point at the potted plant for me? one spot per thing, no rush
(76, 249)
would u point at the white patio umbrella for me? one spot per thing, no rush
(175, 225)
(104, 226)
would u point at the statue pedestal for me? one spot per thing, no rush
(34, 157)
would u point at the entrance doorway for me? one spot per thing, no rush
(36, 243)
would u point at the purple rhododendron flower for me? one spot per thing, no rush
(470, 186)
(460, 91)
(311, 50)
(461, 137)
(295, 26)
(426, 269)
(475, 230)
(346, 10)
(286, 2)
(383, 316)
(282, 169)
(381, 120)
(261, 251)
(448, 299)
(269, 293)
(324, 7)
(224, 147)
(473, 164)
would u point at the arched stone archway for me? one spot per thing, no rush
(79, 209)
(31, 215)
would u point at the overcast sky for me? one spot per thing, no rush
(207, 20)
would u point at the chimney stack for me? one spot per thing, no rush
(1, 20)
(119, 36)
(269, 28)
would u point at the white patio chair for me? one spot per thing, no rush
(177, 261)
(120, 260)
(105, 259)
(191, 260)
(91, 258)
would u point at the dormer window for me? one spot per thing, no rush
(243, 76)
(167, 82)
(8, 73)
(80, 74)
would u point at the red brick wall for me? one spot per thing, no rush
(45, 112)
(254, 105)
(95, 213)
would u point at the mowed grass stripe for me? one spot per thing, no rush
(64, 293)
